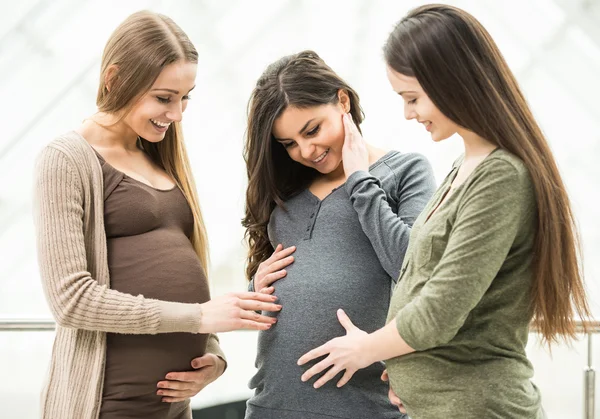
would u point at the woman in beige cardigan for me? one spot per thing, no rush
(122, 245)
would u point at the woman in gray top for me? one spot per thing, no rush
(344, 209)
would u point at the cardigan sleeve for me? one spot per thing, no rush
(76, 299)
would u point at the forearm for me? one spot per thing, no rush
(385, 343)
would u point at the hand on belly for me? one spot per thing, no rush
(180, 386)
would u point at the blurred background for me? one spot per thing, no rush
(49, 69)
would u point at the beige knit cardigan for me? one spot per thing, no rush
(72, 255)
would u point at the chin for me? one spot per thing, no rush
(440, 137)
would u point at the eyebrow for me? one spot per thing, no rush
(171, 90)
(299, 132)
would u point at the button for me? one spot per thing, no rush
(308, 228)
(312, 215)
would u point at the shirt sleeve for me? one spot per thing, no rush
(489, 217)
(388, 231)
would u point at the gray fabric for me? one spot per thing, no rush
(349, 250)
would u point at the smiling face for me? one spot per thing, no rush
(164, 103)
(314, 136)
(417, 105)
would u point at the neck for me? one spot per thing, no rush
(475, 146)
(114, 132)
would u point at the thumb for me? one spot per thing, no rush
(345, 320)
(202, 361)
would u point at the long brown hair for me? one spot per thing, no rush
(301, 80)
(134, 56)
(463, 72)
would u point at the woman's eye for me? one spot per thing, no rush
(313, 131)
(412, 102)
(288, 145)
(163, 99)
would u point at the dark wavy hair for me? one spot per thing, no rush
(302, 81)
(464, 74)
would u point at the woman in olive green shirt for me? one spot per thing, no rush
(494, 250)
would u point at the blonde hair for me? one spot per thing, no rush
(134, 56)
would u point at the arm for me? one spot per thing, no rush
(490, 215)
(387, 231)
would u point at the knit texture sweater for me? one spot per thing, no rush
(72, 257)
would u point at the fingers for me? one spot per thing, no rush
(275, 276)
(250, 305)
(177, 395)
(257, 296)
(174, 399)
(317, 369)
(315, 353)
(206, 360)
(252, 325)
(257, 318)
(393, 398)
(280, 253)
(268, 290)
(348, 134)
(345, 320)
(332, 372)
(384, 376)
(347, 376)
(280, 264)
(175, 385)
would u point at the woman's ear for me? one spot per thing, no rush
(110, 76)
(344, 100)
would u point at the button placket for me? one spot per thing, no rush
(311, 221)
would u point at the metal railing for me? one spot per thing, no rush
(591, 328)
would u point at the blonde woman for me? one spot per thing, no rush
(122, 245)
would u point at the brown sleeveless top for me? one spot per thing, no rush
(148, 234)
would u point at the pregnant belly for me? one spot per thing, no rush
(136, 363)
(166, 269)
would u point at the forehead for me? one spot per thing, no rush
(180, 74)
(293, 119)
(401, 82)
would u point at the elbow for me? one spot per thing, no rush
(63, 318)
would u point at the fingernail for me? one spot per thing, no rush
(169, 376)
(159, 393)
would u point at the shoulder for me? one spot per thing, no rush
(68, 153)
(407, 165)
(505, 165)
(502, 174)
(71, 144)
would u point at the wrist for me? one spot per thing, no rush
(368, 346)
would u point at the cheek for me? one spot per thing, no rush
(334, 136)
